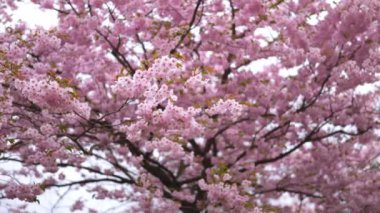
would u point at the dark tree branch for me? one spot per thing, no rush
(116, 53)
(233, 25)
(152, 166)
(87, 181)
(282, 189)
(72, 8)
(189, 27)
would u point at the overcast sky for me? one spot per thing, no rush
(34, 16)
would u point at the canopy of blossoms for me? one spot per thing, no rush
(156, 104)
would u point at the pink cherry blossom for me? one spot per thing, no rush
(193, 106)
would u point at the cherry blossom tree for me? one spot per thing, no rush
(161, 106)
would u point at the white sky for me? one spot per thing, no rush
(34, 16)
